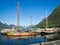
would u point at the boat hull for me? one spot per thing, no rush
(21, 34)
(3, 33)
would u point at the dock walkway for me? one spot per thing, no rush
(57, 42)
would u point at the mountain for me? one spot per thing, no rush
(53, 19)
(4, 25)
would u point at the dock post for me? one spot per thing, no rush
(40, 44)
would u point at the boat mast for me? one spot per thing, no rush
(30, 23)
(17, 7)
(46, 21)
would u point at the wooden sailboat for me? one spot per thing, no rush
(30, 33)
(46, 26)
(47, 30)
(44, 32)
(18, 33)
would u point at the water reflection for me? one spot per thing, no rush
(24, 40)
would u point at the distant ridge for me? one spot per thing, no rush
(53, 19)
(6, 26)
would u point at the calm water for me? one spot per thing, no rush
(6, 40)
